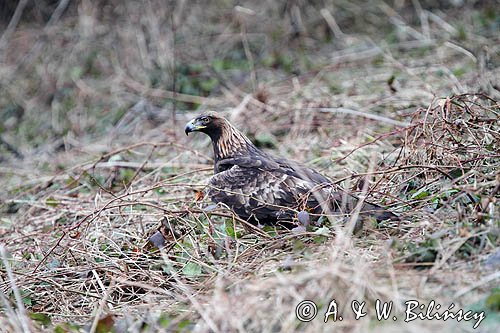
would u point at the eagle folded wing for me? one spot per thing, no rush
(255, 191)
(258, 188)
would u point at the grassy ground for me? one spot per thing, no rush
(399, 98)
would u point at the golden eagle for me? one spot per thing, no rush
(262, 188)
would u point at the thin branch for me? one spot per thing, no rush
(13, 23)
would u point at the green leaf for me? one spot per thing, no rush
(322, 220)
(164, 321)
(184, 324)
(265, 140)
(324, 231)
(42, 318)
(424, 252)
(270, 230)
(218, 65)
(26, 298)
(126, 175)
(168, 269)
(458, 172)
(298, 245)
(160, 191)
(230, 229)
(209, 84)
(191, 269)
(76, 73)
(59, 329)
(51, 202)
(71, 182)
(320, 239)
(421, 194)
(493, 300)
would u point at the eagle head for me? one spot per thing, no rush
(227, 141)
(209, 123)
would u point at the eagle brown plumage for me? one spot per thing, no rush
(262, 188)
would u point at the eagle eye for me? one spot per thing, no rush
(204, 120)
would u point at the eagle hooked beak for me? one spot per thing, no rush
(193, 126)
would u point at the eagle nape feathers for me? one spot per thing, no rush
(264, 189)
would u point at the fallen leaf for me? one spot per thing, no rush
(157, 240)
(105, 324)
(199, 195)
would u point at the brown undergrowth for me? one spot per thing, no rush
(83, 250)
(103, 221)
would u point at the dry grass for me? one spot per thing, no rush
(94, 162)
